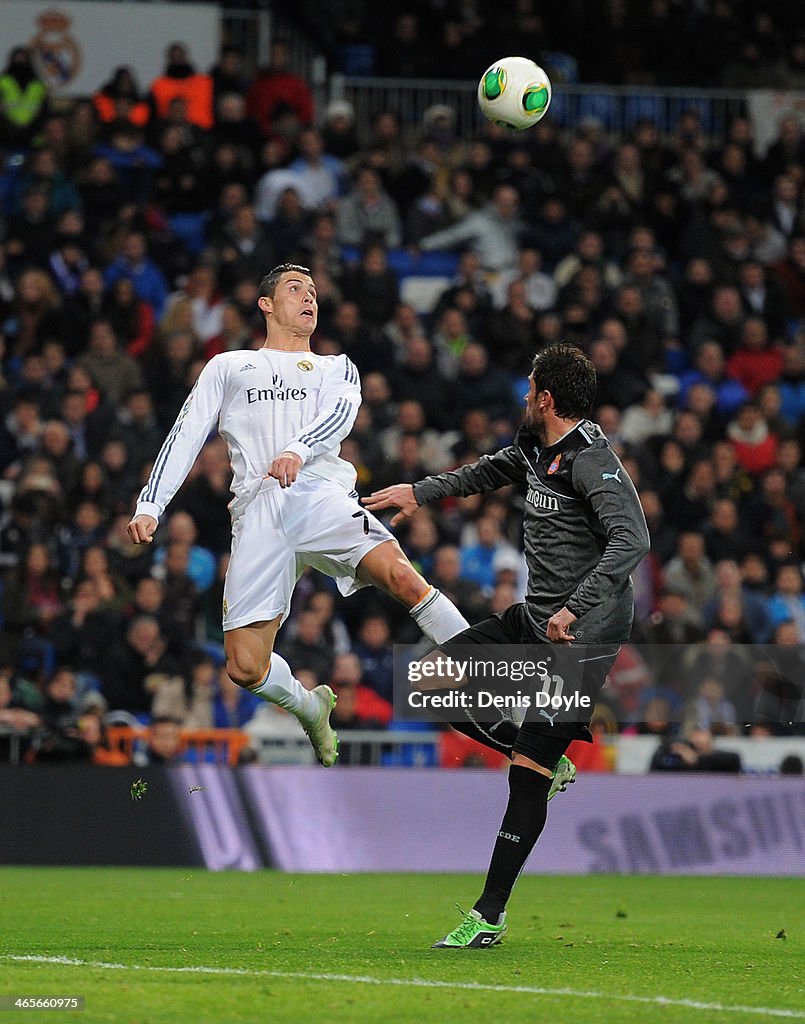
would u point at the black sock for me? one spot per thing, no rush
(522, 824)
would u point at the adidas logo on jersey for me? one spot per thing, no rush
(248, 366)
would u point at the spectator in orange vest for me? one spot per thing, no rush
(121, 86)
(182, 81)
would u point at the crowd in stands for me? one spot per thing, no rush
(134, 228)
(731, 43)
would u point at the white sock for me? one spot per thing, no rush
(438, 617)
(279, 686)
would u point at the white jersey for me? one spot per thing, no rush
(264, 402)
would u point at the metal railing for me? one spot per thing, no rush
(252, 32)
(15, 738)
(400, 748)
(377, 747)
(617, 108)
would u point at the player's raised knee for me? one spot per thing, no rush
(244, 670)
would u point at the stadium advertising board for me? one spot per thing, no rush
(395, 819)
(421, 820)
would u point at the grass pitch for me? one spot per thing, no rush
(190, 947)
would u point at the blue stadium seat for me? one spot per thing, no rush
(439, 263)
(519, 385)
(676, 361)
(191, 228)
(355, 59)
(412, 755)
(562, 67)
(793, 329)
(701, 104)
(600, 105)
(561, 109)
(214, 651)
(645, 106)
(36, 657)
(9, 173)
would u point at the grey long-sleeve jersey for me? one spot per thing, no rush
(583, 525)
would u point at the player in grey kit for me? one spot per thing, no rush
(584, 532)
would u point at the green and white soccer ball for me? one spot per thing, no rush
(514, 92)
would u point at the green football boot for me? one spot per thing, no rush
(320, 733)
(473, 933)
(565, 774)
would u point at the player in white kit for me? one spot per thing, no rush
(283, 411)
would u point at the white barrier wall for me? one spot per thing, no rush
(763, 756)
(77, 45)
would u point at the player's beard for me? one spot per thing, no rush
(535, 421)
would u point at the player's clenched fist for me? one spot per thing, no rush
(559, 625)
(285, 468)
(141, 529)
(399, 496)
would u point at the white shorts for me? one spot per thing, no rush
(281, 531)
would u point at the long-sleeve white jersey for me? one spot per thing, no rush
(264, 402)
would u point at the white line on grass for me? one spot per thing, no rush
(360, 979)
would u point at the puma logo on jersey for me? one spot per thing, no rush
(549, 717)
(612, 476)
(248, 366)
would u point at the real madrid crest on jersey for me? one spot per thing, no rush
(554, 465)
(305, 364)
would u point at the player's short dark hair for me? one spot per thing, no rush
(268, 285)
(568, 374)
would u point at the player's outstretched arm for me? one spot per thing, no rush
(197, 418)
(399, 496)
(141, 529)
(508, 466)
(490, 472)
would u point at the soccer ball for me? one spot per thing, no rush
(514, 92)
